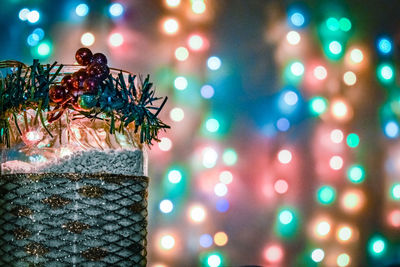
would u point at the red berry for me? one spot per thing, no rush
(99, 58)
(58, 93)
(90, 85)
(78, 78)
(83, 56)
(98, 71)
(67, 81)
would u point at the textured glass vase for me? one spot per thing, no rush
(73, 194)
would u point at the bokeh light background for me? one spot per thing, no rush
(284, 148)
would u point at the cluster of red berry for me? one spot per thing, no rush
(84, 81)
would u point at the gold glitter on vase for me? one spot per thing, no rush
(22, 211)
(76, 227)
(21, 233)
(36, 249)
(94, 254)
(91, 191)
(56, 201)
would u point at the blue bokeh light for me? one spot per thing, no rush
(82, 10)
(283, 124)
(392, 129)
(384, 45)
(222, 205)
(214, 63)
(206, 240)
(116, 10)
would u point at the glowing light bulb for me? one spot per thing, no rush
(43, 49)
(353, 140)
(318, 105)
(181, 83)
(317, 255)
(220, 189)
(87, 39)
(166, 206)
(385, 45)
(356, 55)
(210, 157)
(356, 174)
(344, 233)
(274, 253)
(116, 39)
(281, 186)
(214, 63)
(82, 10)
(171, 26)
(195, 42)
(230, 156)
(177, 114)
(377, 246)
(336, 163)
(214, 260)
(385, 73)
(197, 213)
(323, 228)
(340, 109)
(33, 16)
(167, 242)
(320, 73)
(326, 195)
(394, 218)
(336, 136)
(207, 91)
(293, 37)
(174, 176)
(297, 68)
(173, 3)
(23, 14)
(212, 125)
(286, 216)
(181, 53)
(290, 98)
(220, 239)
(165, 144)
(350, 78)
(335, 47)
(226, 177)
(391, 129)
(297, 19)
(198, 6)
(206, 241)
(352, 201)
(116, 9)
(284, 156)
(343, 260)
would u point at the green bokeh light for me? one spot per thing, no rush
(353, 140)
(345, 24)
(326, 195)
(395, 191)
(212, 125)
(293, 73)
(318, 105)
(212, 259)
(287, 222)
(332, 24)
(356, 174)
(377, 246)
(43, 50)
(230, 157)
(385, 73)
